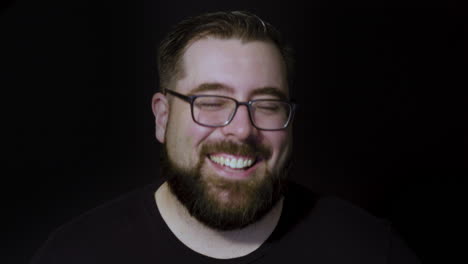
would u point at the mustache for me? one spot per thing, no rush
(229, 147)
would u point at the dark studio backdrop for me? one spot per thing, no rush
(381, 121)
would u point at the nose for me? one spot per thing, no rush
(240, 127)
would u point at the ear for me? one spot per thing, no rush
(160, 107)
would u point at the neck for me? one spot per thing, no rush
(208, 241)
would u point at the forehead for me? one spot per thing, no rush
(244, 66)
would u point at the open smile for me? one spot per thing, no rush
(233, 167)
(233, 162)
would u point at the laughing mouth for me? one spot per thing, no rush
(232, 162)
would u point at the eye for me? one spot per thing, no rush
(211, 103)
(268, 107)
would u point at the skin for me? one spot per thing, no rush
(241, 70)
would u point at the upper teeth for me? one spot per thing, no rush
(232, 162)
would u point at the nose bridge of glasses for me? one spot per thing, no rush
(238, 108)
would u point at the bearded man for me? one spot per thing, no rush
(224, 116)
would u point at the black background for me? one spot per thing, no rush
(381, 121)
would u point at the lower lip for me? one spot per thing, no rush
(230, 173)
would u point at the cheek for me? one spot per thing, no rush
(184, 138)
(176, 138)
(281, 143)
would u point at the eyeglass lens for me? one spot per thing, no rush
(218, 111)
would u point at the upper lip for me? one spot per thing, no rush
(228, 155)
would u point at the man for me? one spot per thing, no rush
(224, 117)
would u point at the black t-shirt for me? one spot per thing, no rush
(311, 229)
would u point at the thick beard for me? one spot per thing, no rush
(245, 201)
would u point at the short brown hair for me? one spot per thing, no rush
(236, 24)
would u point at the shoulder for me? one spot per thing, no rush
(120, 210)
(99, 230)
(332, 216)
(332, 212)
(339, 230)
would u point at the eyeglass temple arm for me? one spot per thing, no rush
(181, 96)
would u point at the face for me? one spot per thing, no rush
(243, 71)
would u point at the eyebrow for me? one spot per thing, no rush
(270, 91)
(212, 87)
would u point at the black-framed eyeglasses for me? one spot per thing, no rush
(218, 111)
